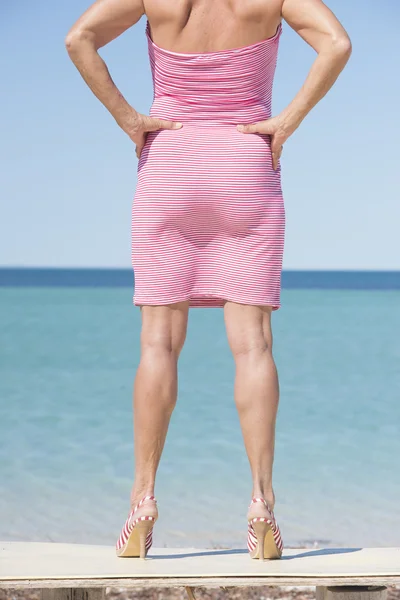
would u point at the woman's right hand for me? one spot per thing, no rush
(137, 125)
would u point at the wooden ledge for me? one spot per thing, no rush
(48, 565)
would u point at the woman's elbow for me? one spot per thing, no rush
(76, 38)
(72, 40)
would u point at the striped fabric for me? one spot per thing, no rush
(251, 534)
(130, 524)
(208, 217)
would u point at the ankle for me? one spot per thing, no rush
(266, 493)
(138, 493)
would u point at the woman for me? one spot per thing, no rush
(208, 215)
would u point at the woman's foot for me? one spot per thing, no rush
(263, 535)
(136, 537)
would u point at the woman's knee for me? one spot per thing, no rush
(164, 329)
(248, 329)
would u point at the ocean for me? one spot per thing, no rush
(69, 350)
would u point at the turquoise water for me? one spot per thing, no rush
(67, 361)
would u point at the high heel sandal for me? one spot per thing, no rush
(137, 534)
(264, 539)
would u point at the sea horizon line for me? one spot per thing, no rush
(356, 279)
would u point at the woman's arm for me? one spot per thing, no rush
(319, 27)
(100, 24)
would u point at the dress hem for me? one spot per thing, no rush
(203, 300)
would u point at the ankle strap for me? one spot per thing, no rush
(143, 500)
(253, 500)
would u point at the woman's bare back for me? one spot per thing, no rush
(210, 25)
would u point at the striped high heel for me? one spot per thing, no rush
(137, 534)
(264, 539)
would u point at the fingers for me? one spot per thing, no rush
(139, 143)
(276, 151)
(251, 127)
(155, 124)
(271, 128)
(275, 161)
(268, 126)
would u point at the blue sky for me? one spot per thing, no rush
(69, 173)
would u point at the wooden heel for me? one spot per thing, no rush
(264, 539)
(144, 528)
(261, 528)
(136, 536)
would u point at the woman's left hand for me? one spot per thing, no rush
(277, 129)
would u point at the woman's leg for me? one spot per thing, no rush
(155, 390)
(256, 390)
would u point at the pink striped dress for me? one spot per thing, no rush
(208, 217)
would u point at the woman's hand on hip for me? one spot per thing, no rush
(137, 126)
(277, 128)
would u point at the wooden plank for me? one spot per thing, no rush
(349, 592)
(63, 562)
(190, 592)
(69, 593)
(207, 582)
